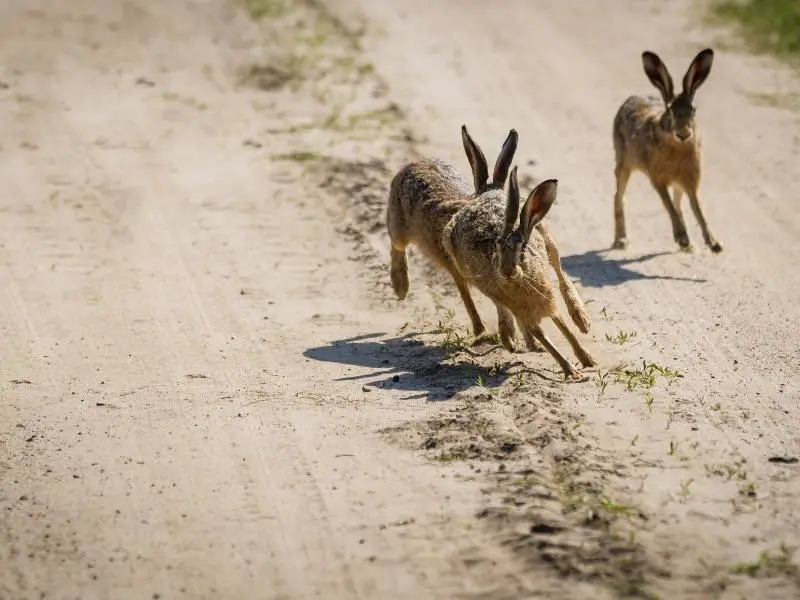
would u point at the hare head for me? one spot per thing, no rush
(678, 119)
(480, 169)
(510, 245)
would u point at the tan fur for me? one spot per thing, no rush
(473, 239)
(423, 196)
(646, 139)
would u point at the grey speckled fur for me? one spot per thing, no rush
(423, 196)
(508, 263)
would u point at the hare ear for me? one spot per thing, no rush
(537, 205)
(658, 75)
(504, 160)
(477, 161)
(512, 203)
(698, 72)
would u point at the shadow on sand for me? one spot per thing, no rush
(405, 363)
(596, 269)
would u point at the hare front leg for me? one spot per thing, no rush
(678, 226)
(399, 272)
(507, 328)
(697, 209)
(587, 360)
(566, 367)
(622, 175)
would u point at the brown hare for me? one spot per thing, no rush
(508, 263)
(662, 140)
(423, 196)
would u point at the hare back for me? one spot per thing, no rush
(424, 195)
(641, 144)
(478, 224)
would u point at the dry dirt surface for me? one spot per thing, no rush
(208, 390)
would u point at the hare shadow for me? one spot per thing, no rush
(405, 363)
(595, 269)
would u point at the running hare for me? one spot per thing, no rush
(424, 195)
(509, 263)
(663, 142)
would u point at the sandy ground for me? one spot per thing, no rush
(209, 391)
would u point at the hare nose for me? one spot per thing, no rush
(683, 136)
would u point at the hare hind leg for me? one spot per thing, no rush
(478, 328)
(399, 271)
(587, 360)
(622, 175)
(566, 367)
(531, 342)
(575, 306)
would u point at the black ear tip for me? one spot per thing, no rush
(463, 129)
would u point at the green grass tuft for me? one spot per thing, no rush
(768, 25)
(261, 9)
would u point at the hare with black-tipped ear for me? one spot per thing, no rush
(423, 196)
(509, 262)
(661, 139)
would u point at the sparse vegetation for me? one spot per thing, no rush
(482, 384)
(301, 156)
(454, 338)
(261, 9)
(770, 564)
(673, 447)
(787, 101)
(767, 25)
(648, 401)
(733, 471)
(621, 338)
(685, 491)
(185, 100)
(749, 490)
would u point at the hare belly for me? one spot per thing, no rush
(530, 301)
(674, 166)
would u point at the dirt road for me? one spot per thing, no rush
(209, 391)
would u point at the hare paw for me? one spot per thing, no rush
(620, 243)
(715, 246)
(684, 242)
(487, 337)
(587, 360)
(534, 346)
(400, 283)
(575, 377)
